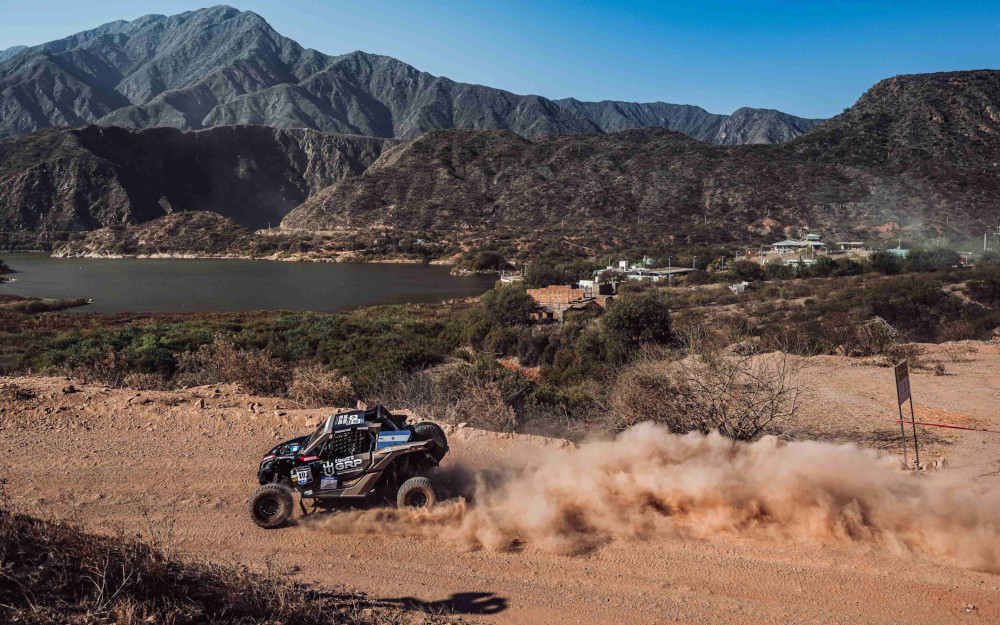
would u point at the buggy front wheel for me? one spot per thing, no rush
(270, 506)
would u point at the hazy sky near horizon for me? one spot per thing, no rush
(806, 58)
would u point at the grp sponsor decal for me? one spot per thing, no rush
(328, 483)
(342, 465)
(386, 439)
(348, 419)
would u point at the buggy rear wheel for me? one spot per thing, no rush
(427, 431)
(270, 506)
(416, 492)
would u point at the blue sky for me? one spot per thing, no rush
(807, 58)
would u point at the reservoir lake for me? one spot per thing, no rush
(174, 285)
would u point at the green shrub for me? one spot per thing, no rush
(885, 263)
(639, 317)
(824, 267)
(986, 290)
(848, 267)
(776, 270)
(489, 261)
(508, 305)
(747, 270)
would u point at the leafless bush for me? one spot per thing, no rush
(647, 391)
(898, 352)
(485, 407)
(11, 392)
(454, 393)
(110, 369)
(957, 352)
(145, 382)
(421, 392)
(741, 395)
(253, 371)
(957, 330)
(314, 387)
(875, 337)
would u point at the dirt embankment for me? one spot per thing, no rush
(652, 526)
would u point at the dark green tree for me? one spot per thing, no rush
(508, 306)
(747, 270)
(885, 263)
(639, 317)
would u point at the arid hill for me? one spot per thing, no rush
(917, 151)
(87, 178)
(917, 155)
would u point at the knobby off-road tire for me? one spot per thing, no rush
(270, 506)
(416, 492)
(427, 431)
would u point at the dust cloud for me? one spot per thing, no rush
(649, 483)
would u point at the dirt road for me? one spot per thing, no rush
(186, 460)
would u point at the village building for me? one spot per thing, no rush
(849, 246)
(555, 301)
(642, 271)
(812, 241)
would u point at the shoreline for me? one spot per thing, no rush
(347, 257)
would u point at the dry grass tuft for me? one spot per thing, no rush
(11, 392)
(314, 387)
(55, 574)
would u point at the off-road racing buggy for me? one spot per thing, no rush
(361, 456)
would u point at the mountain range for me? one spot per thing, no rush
(916, 154)
(220, 66)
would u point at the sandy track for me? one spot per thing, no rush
(100, 457)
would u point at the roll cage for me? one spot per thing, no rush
(377, 416)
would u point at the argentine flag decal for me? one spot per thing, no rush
(385, 439)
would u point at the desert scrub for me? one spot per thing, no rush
(56, 574)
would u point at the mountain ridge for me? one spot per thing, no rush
(917, 153)
(220, 66)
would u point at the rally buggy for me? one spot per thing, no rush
(353, 457)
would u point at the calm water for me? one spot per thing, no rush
(137, 285)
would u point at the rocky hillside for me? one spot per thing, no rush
(745, 126)
(221, 66)
(498, 183)
(196, 233)
(60, 179)
(918, 152)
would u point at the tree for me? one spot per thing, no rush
(985, 291)
(639, 317)
(508, 306)
(932, 260)
(489, 260)
(824, 266)
(541, 275)
(885, 262)
(747, 270)
(848, 267)
(775, 270)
